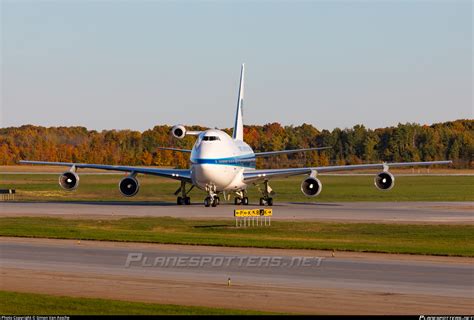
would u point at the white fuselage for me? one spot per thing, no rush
(218, 161)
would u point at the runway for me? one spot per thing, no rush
(387, 212)
(348, 283)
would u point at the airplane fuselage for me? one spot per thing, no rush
(218, 161)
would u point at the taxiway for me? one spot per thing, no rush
(348, 283)
(387, 212)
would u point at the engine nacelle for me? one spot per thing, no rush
(129, 186)
(69, 181)
(179, 131)
(311, 187)
(384, 181)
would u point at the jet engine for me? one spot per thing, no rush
(129, 186)
(311, 187)
(69, 181)
(179, 131)
(384, 181)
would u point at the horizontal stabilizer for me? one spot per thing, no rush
(276, 153)
(174, 149)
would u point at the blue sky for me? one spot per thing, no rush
(136, 64)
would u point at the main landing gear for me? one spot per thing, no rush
(267, 192)
(266, 202)
(241, 198)
(244, 201)
(183, 198)
(186, 201)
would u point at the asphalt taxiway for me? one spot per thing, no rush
(389, 212)
(347, 283)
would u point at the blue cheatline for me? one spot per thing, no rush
(242, 161)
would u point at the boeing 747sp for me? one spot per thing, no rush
(221, 164)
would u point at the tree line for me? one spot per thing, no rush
(453, 140)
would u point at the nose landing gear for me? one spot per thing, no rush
(212, 199)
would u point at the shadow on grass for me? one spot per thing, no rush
(213, 226)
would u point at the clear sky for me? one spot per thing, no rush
(136, 64)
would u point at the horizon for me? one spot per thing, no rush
(245, 125)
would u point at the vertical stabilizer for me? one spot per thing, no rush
(239, 124)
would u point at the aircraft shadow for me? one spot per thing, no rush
(316, 204)
(171, 203)
(108, 203)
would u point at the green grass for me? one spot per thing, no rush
(15, 303)
(44, 187)
(455, 240)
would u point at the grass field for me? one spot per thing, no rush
(44, 187)
(16, 303)
(455, 240)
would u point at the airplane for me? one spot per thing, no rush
(221, 164)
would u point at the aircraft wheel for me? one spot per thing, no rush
(207, 202)
(215, 201)
(262, 201)
(270, 201)
(180, 201)
(187, 201)
(245, 201)
(237, 201)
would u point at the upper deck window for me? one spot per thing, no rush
(210, 138)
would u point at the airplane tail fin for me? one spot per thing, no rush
(239, 124)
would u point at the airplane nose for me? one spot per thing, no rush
(211, 171)
(215, 174)
(207, 151)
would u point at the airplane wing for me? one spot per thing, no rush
(276, 153)
(176, 174)
(268, 174)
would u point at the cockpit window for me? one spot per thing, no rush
(210, 138)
